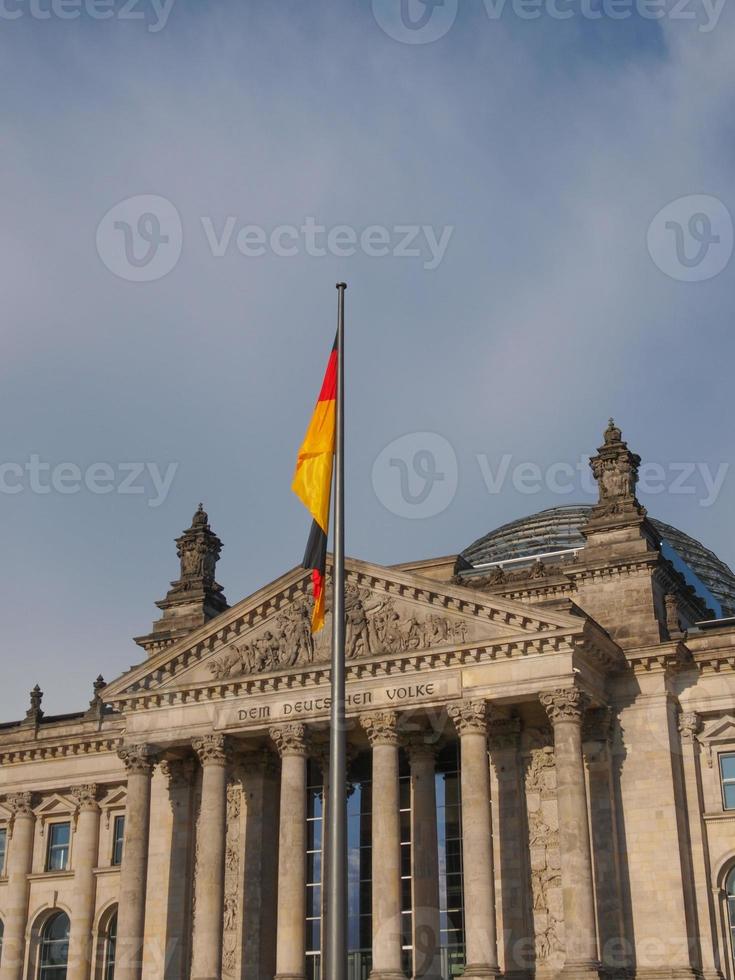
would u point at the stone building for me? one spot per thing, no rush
(542, 770)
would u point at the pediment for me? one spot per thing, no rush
(389, 613)
(719, 730)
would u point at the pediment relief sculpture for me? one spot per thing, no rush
(375, 624)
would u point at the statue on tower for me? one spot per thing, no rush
(195, 597)
(615, 469)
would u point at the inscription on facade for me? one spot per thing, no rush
(275, 708)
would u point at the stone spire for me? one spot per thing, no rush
(195, 597)
(615, 469)
(34, 714)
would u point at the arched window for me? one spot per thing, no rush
(110, 941)
(2, 934)
(54, 948)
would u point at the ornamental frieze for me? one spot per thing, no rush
(375, 625)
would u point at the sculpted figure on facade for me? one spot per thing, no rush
(543, 839)
(375, 625)
(231, 913)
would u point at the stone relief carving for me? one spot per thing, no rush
(375, 624)
(543, 832)
(232, 882)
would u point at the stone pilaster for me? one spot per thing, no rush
(470, 720)
(382, 731)
(425, 859)
(291, 743)
(206, 959)
(131, 915)
(86, 850)
(565, 708)
(15, 900)
(690, 724)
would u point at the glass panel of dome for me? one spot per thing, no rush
(690, 577)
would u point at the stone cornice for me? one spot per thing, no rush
(665, 656)
(499, 613)
(587, 638)
(63, 748)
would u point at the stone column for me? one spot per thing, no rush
(382, 731)
(15, 900)
(290, 740)
(470, 720)
(258, 873)
(565, 708)
(510, 850)
(597, 734)
(131, 909)
(206, 957)
(86, 852)
(179, 775)
(425, 860)
(690, 724)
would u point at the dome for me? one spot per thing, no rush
(560, 529)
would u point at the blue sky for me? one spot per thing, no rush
(541, 149)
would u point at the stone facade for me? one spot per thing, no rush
(587, 709)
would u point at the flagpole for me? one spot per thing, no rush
(336, 944)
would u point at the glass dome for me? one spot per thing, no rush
(560, 529)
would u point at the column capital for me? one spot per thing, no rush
(469, 716)
(690, 724)
(565, 704)
(85, 797)
(504, 734)
(138, 759)
(178, 773)
(20, 805)
(420, 747)
(290, 739)
(211, 750)
(256, 763)
(381, 727)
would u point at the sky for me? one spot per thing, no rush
(530, 201)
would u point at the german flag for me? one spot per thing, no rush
(312, 482)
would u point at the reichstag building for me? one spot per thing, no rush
(541, 770)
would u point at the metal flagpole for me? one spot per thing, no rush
(336, 945)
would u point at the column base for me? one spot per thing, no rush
(480, 971)
(585, 970)
(290, 976)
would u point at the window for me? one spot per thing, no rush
(54, 947)
(727, 775)
(406, 874)
(110, 943)
(3, 846)
(314, 828)
(451, 894)
(118, 839)
(57, 856)
(2, 933)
